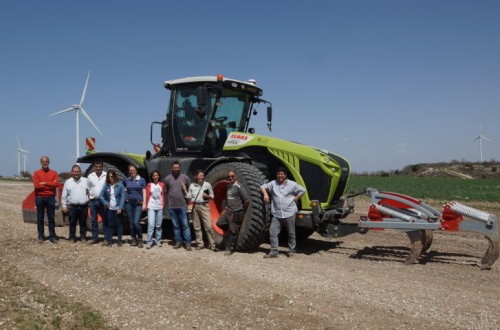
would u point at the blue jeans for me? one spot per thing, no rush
(46, 204)
(274, 231)
(134, 212)
(97, 208)
(179, 218)
(155, 220)
(115, 221)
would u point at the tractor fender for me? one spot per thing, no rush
(224, 160)
(120, 160)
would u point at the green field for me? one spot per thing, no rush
(445, 189)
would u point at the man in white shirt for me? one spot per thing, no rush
(74, 202)
(95, 182)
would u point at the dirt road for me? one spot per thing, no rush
(354, 282)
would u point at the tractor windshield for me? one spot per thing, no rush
(196, 127)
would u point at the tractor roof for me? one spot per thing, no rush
(249, 84)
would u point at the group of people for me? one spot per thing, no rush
(108, 197)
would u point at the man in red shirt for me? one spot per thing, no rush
(46, 182)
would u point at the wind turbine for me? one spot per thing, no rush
(77, 108)
(481, 137)
(21, 153)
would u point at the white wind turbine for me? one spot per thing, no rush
(21, 153)
(481, 137)
(78, 108)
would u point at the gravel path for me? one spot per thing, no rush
(353, 282)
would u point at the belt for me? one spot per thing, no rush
(201, 203)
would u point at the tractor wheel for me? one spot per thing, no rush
(121, 176)
(257, 218)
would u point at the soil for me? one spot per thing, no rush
(358, 281)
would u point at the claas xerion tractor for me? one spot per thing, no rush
(207, 127)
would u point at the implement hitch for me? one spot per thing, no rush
(396, 211)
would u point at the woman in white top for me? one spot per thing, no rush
(155, 202)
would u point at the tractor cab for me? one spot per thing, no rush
(203, 111)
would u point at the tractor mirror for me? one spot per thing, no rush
(202, 96)
(269, 117)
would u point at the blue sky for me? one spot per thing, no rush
(382, 83)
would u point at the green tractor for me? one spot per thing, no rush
(207, 127)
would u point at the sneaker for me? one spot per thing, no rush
(290, 254)
(149, 246)
(72, 240)
(271, 255)
(228, 252)
(199, 247)
(119, 244)
(110, 244)
(215, 249)
(92, 242)
(54, 241)
(140, 244)
(40, 240)
(177, 246)
(158, 244)
(188, 247)
(133, 242)
(83, 239)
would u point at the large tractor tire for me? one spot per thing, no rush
(256, 222)
(121, 176)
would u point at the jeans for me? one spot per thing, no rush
(155, 220)
(77, 215)
(274, 231)
(134, 212)
(97, 208)
(179, 218)
(115, 221)
(46, 204)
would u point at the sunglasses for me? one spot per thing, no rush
(231, 176)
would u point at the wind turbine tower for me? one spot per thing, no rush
(77, 108)
(21, 153)
(481, 137)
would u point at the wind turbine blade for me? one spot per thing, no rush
(90, 120)
(478, 138)
(18, 144)
(85, 89)
(65, 110)
(485, 138)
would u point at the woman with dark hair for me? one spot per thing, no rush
(112, 196)
(155, 202)
(135, 187)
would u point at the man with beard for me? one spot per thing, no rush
(176, 185)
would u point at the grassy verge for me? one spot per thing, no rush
(442, 189)
(25, 304)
